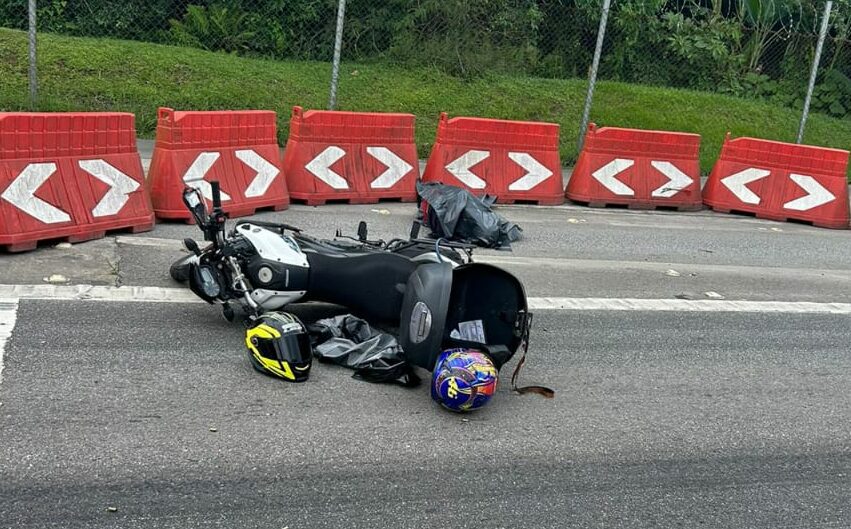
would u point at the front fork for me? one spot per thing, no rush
(240, 284)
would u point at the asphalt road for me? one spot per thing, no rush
(661, 419)
(566, 251)
(680, 420)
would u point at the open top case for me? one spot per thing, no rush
(473, 305)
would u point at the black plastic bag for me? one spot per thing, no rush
(351, 342)
(455, 214)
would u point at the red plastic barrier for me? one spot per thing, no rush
(356, 157)
(71, 176)
(237, 148)
(515, 161)
(780, 181)
(642, 169)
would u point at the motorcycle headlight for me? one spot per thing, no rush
(209, 284)
(204, 282)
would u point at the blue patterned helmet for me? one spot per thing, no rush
(463, 379)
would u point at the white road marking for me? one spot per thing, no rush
(99, 293)
(500, 259)
(156, 242)
(8, 315)
(183, 295)
(563, 263)
(687, 305)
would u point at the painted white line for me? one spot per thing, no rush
(686, 305)
(8, 315)
(157, 242)
(183, 295)
(599, 265)
(100, 293)
(501, 259)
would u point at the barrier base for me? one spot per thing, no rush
(319, 201)
(642, 206)
(26, 246)
(838, 225)
(555, 201)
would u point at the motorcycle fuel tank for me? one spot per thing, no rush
(279, 271)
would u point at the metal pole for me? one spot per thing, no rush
(32, 70)
(338, 48)
(824, 23)
(592, 79)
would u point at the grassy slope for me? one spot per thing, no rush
(97, 74)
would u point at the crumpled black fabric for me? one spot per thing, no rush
(456, 214)
(351, 342)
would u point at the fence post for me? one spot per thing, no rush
(814, 73)
(33, 79)
(592, 78)
(338, 48)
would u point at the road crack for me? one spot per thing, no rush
(115, 265)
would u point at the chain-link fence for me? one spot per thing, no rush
(757, 49)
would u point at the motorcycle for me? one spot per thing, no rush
(432, 291)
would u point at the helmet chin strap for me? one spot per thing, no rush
(538, 390)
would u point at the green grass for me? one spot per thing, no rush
(78, 74)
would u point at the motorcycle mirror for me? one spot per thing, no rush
(217, 194)
(415, 229)
(192, 246)
(195, 203)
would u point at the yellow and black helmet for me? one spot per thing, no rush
(278, 345)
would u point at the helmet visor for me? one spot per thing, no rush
(293, 348)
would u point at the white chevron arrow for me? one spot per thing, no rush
(266, 172)
(606, 176)
(120, 186)
(194, 176)
(21, 194)
(677, 180)
(535, 172)
(321, 167)
(736, 184)
(817, 194)
(397, 168)
(460, 168)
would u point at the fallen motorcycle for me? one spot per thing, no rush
(431, 291)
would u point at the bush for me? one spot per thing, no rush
(469, 38)
(750, 48)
